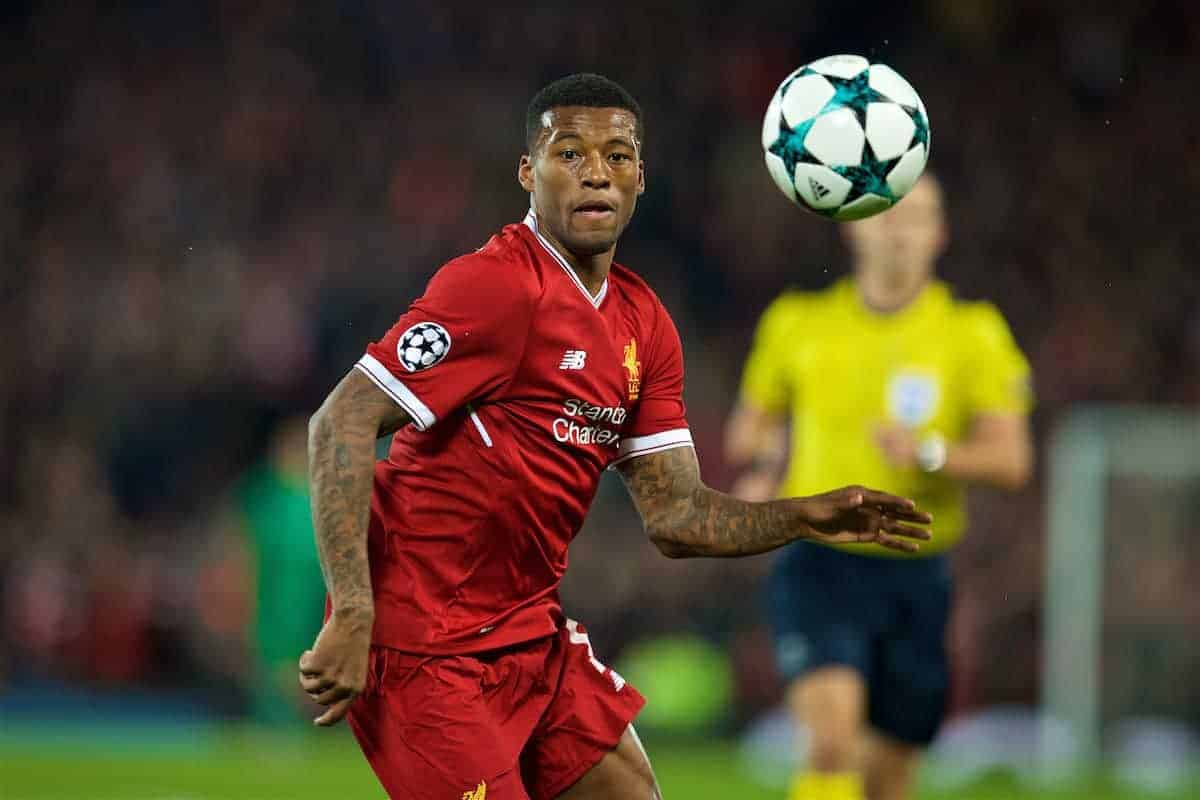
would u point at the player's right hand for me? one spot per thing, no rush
(856, 514)
(334, 671)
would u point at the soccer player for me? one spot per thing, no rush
(887, 378)
(526, 369)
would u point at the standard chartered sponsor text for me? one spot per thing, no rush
(574, 428)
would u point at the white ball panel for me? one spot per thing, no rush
(770, 127)
(805, 96)
(820, 187)
(887, 81)
(866, 206)
(889, 130)
(779, 174)
(836, 139)
(842, 66)
(904, 175)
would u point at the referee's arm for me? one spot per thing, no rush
(998, 451)
(756, 443)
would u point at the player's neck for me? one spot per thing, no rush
(886, 299)
(592, 270)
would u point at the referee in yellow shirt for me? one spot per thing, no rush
(886, 380)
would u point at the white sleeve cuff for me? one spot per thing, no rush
(631, 447)
(420, 414)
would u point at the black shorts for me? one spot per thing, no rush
(885, 617)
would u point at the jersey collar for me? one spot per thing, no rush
(934, 292)
(531, 222)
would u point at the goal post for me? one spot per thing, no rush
(1089, 449)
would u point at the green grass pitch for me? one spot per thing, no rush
(237, 764)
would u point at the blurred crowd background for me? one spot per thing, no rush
(209, 208)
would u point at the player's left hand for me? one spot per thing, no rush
(859, 515)
(898, 444)
(334, 671)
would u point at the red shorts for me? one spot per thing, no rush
(522, 722)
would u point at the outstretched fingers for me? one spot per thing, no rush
(894, 543)
(895, 507)
(895, 534)
(893, 528)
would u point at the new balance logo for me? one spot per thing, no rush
(573, 359)
(818, 188)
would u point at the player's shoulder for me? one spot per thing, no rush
(633, 288)
(978, 322)
(502, 267)
(795, 306)
(638, 296)
(641, 304)
(835, 295)
(973, 314)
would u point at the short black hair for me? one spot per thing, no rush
(585, 89)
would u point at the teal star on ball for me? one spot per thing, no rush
(869, 177)
(921, 134)
(853, 93)
(789, 145)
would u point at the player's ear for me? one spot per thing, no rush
(525, 172)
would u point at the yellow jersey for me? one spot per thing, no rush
(839, 370)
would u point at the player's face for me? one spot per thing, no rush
(585, 175)
(895, 251)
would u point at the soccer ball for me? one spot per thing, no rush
(845, 138)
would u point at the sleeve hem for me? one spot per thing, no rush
(653, 443)
(422, 417)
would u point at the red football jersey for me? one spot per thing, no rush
(522, 388)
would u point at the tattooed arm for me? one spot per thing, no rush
(341, 470)
(685, 518)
